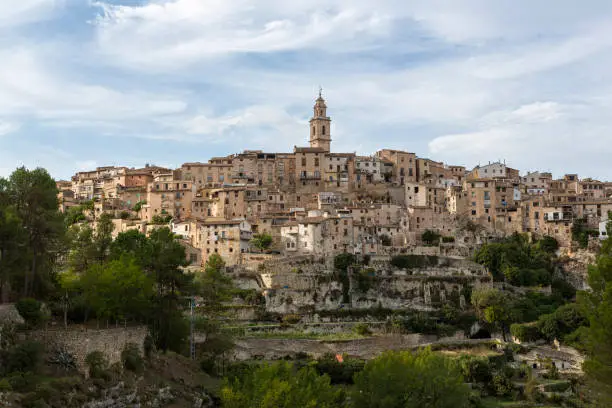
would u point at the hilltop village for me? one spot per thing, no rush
(313, 201)
(313, 261)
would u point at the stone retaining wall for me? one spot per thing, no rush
(81, 341)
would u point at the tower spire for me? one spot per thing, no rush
(320, 125)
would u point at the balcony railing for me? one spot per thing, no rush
(310, 176)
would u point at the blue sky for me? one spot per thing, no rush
(128, 82)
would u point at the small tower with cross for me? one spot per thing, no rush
(320, 125)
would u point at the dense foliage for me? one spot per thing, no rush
(281, 385)
(597, 306)
(405, 380)
(262, 241)
(31, 232)
(518, 261)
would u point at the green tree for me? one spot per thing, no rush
(213, 287)
(430, 237)
(118, 289)
(74, 215)
(494, 307)
(33, 195)
(597, 306)
(134, 244)
(82, 252)
(406, 380)
(103, 236)
(281, 385)
(168, 326)
(13, 248)
(261, 241)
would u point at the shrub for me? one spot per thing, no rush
(339, 373)
(22, 382)
(525, 332)
(343, 261)
(24, 357)
(5, 385)
(448, 239)
(124, 215)
(62, 359)
(405, 379)
(413, 261)
(362, 329)
(98, 365)
(30, 310)
(161, 219)
(281, 385)
(430, 237)
(501, 385)
(148, 345)
(131, 358)
(292, 318)
(475, 369)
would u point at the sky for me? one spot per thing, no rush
(127, 82)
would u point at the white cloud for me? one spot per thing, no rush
(27, 87)
(14, 13)
(168, 34)
(8, 127)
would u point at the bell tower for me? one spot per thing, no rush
(320, 125)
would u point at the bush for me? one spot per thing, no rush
(30, 310)
(405, 379)
(413, 261)
(339, 373)
(501, 385)
(5, 385)
(24, 357)
(430, 237)
(343, 261)
(525, 332)
(148, 345)
(448, 239)
(475, 369)
(161, 219)
(131, 358)
(362, 329)
(281, 385)
(22, 382)
(98, 365)
(63, 359)
(292, 318)
(124, 215)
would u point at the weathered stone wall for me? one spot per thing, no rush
(299, 293)
(271, 349)
(80, 341)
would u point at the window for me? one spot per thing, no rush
(323, 130)
(303, 161)
(316, 161)
(473, 212)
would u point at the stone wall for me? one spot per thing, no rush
(81, 341)
(271, 349)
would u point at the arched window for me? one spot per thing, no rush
(323, 132)
(313, 130)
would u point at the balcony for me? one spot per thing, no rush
(310, 176)
(241, 175)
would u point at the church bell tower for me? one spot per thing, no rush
(320, 125)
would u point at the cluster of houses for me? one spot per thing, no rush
(313, 201)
